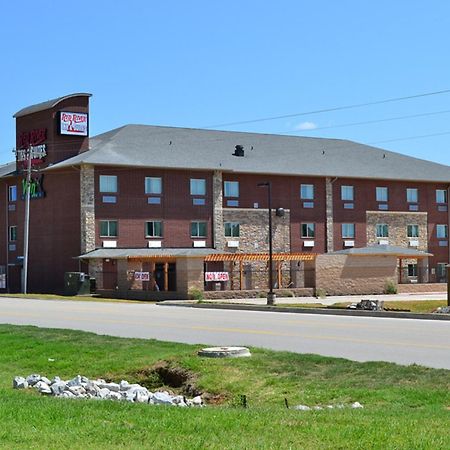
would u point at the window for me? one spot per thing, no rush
(348, 230)
(198, 201)
(412, 231)
(12, 193)
(231, 188)
(382, 230)
(441, 196)
(347, 193)
(441, 270)
(441, 231)
(382, 194)
(412, 195)
(307, 191)
(108, 228)
(308, 230)
(153, 185)
(198, 186)
(198, 229)
(153, 228)
(231, 229)
(412, 270)
(13, 233)
(108, 183)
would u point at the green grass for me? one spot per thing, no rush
(405, 407)
(79, 298)
(417, 306)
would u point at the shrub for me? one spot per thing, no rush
(195, 294)
(390, 287)
(321, 293)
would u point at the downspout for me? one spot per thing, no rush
(7, 238)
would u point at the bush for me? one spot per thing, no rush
(195, 294)
(321, 293)
(390, 287)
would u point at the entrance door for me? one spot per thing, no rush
(109, 274)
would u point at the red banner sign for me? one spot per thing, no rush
(216, 276)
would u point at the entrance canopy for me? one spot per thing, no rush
(237, 257)
(147, 253)
(384, 250)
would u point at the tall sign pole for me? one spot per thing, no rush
(26, 232)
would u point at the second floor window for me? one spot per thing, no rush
(348, 230)
(153, 228)
(308, 230)
(441, 231)
(198, 229)
(441, 196)
(412, 195)
(231, 188)
(231, 229)
(108, 183)
(412, 231)
(12, 193)
(108, 228)
(347, 193)
(382, 194)
(307, 192)
(382, 230)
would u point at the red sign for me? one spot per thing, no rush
(74, 123)
(216, 276)
(142, 276)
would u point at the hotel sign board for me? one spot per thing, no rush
(73, 123)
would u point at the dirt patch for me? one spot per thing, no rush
(172, 378)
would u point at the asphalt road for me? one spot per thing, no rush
(404, 341)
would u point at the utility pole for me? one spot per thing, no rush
(26, 232)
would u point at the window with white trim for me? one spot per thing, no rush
(347, 193)
(307, 191)
(231, 188)
(108, 183)
(441, 196)
(381, 194)
(442, 231)
(308, 230)
(412, 195)
(348, 230)
(153, 228)
(412, 231)
(153, 185)
(198, 229)
(382, 230)
(108, 228)
(12, 193)
(231, 229)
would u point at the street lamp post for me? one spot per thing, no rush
(270, 295)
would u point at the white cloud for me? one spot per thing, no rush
(306, 126)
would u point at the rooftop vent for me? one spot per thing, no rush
(238, 150)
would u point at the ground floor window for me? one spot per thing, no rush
(412, 270)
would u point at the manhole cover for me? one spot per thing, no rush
(224, 352)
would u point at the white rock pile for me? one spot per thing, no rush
(355, 405)
(84, 388)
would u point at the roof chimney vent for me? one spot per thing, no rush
(238, 150)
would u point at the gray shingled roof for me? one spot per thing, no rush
(123, 253)
(383, 250)
(47, 105)
(186, 148)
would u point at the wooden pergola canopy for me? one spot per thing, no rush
(238, 257)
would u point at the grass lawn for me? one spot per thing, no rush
(417, 306)
(405, 407)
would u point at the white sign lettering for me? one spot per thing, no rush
(142, 276)
(216, 276)
(74, 123)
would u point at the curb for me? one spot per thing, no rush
(324, 311)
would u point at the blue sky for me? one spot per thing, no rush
(202, 63)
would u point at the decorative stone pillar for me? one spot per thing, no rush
(329, 214)
(87, 204)
(218, 228)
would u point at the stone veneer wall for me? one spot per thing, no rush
(329, 214)
(254, 230)
(218, 231)
(87, 196)
(96, 271)
(358, 275)
(397, 223)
